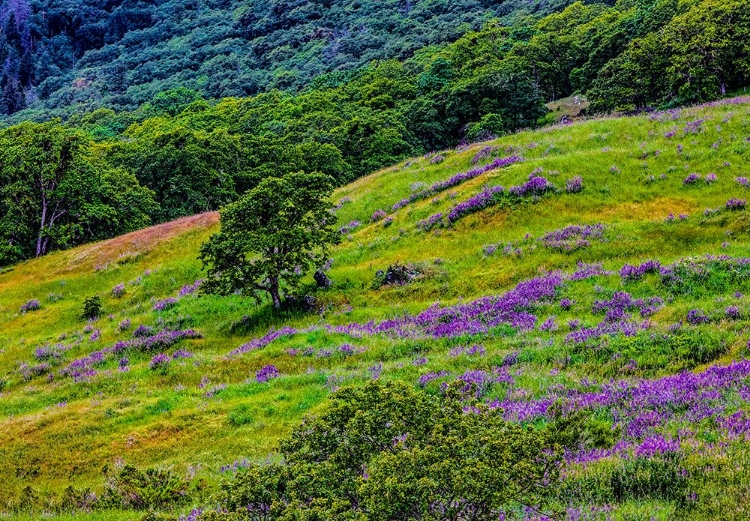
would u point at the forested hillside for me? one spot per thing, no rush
(62, 57)
(112, 171)
(120, 53)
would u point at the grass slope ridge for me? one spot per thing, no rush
(77, 395)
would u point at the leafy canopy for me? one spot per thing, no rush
(389, 452)
(274, 234)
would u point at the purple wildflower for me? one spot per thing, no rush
(574, 185)
(735, 204)
(189, 289)
(31, 305)
(697, 316)
(478, 202)
(165, 304)
(431, 222)
(266, 373)
(160, 361)
(379, 215)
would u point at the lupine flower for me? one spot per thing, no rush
(119, 290)
(456, 180)
(428, 377)
(161, 340)
(733, 313)
(163, 305)
(484, 153)
(431, 222)
(586, 271)
(31, 305)
(142, 331)
(549, 324)
(266, 373)
(189, 289)
(437, 160)
(631, 273)
(743, 181)
(379, 215)
(710, 178)
(572, 237)
(697, 316)
(536, 185)
(476, 203)
(735, 204)
(574, 185)
(349, 227)
(691, 179)
(375, 370)
(160, 361)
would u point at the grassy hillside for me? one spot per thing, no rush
(78, 395)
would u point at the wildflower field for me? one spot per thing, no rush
(597, 271)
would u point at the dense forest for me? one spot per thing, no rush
(61, 55)
(184, 152)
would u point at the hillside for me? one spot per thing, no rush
(632, 231)
(121, 53)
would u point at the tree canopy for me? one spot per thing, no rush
(272, 236)
(53, 194)
(387, 451)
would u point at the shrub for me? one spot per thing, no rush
(398, 274)
(92, 308)
(130, 488)
(382, 450)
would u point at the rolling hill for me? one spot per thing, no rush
(601, 264)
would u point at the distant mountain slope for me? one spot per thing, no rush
(121, 53)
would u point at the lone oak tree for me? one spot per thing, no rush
(274, 234)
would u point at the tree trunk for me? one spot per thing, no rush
(42, 226)
(273, 289)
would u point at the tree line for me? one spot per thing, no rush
(106, 172)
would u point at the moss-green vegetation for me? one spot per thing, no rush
(60, 423)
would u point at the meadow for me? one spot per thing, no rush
(599, 266)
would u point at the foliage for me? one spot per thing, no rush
(123, 53)
(53, 194)
(92, 308)
(275, 233)
(386, 451)
(130, 488)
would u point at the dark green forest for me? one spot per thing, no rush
(65, 55)
(188, 150)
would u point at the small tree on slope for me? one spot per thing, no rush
(274, 234)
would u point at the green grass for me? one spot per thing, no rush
(57, 432)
